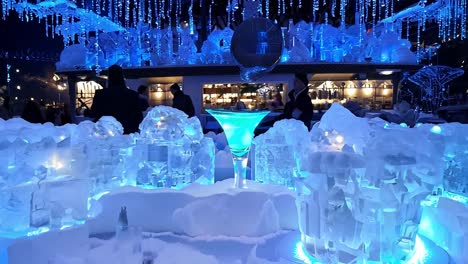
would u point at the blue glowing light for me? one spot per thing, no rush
(387, 125)
(420, 252)
(457, 197)
(301, 253)
(403, 125)
(436, 129)
(239, 127)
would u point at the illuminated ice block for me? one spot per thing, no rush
(278, 152)
(174, 150)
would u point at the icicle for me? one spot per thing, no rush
(159, 12)
(342, 14)
(177, 15)
(418, 41)
(315, 8)
(228, 11)
(374, 16)
(209, 17)
(46, 26)
(407, 28)
(162, 9)
(283, 6)
(191, 23)
(150, 11)
(54, 24)
(333, 8)
(127, 12)
(98, 7)
(120, 11)
(463, 22)
(267, 8)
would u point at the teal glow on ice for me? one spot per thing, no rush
(239, 127)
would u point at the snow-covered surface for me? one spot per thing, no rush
(201, 210)
(70, 242)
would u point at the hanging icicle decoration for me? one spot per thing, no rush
(267, 8)
(210, 17)
(333, 8)
(46, 26)
(177, 21)
(283, 6)
(162, 12)
(228, 11)
(169, 13)
(5, 8)
(191, 23)
(120, 12)
(279, 8)
(158, 15)
(366, 9)
(300, 4)
(149, 10)
(407, 28)
(54, 24)
(418, 41)
(97, 48)
(343, 3)
(374, 16)
(463, 22)
(98, 7)
(315, 8)
(138, 12)
(127, 12)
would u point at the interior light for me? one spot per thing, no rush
(386, 72)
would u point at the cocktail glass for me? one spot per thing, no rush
(239, 128)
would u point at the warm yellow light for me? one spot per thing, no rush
(386, 72)
(368, 91)
(385, 91)
(351, 91)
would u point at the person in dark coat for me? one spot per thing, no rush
(300, 105)
(118, 101)
(32, 113)
(143, 97)
(182, 101)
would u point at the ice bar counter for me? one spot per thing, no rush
(351, 190)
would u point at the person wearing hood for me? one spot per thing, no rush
(300, 105)
(118, 101)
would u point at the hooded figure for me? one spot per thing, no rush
(118, 101)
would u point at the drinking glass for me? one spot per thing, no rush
(239, 128)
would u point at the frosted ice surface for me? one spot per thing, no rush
(108, 126)
(174, 150)
(279, 151)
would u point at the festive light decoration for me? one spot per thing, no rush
(77, 18)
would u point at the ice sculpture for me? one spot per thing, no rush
(239, 128)
(175, 153)
(106, 151)
(365, 205)
(38, 173)
(433, 80)
(279, 152)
